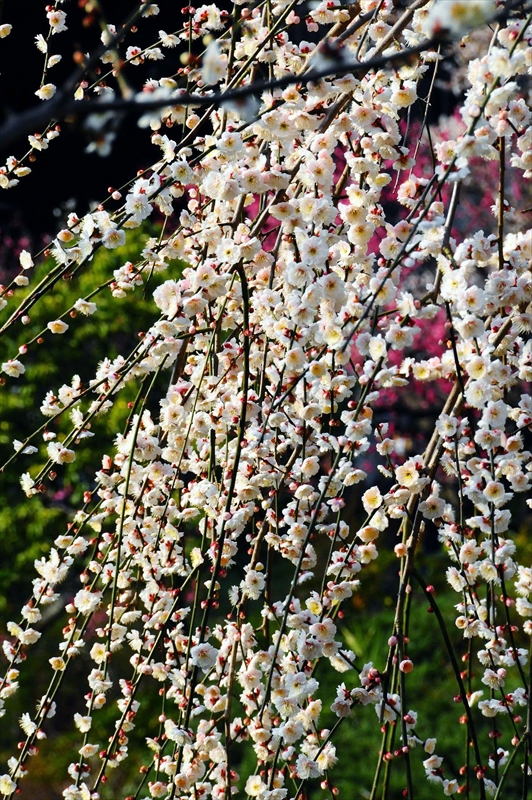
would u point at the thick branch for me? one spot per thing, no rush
(62, 106)
(59, 107)
(36, 118)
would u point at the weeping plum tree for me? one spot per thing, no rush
(319, 262)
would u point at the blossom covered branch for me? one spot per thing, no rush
(312, 268)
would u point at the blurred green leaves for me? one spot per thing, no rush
(28, 526)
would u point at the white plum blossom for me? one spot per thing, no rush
(204, 656)
(325, 411)
(57, 326)
(7, 786)
(46, 91)
(14, 368)
(57, 18)
(87, 601)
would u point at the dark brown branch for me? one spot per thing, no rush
(36, 118)
(60, 106)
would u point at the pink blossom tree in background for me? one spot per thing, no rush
(335, 376)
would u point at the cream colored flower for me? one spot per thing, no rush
(46, 92)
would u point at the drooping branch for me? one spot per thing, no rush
(332, 58)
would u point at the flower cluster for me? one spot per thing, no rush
(214, 550)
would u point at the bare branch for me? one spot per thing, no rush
(38, 117)
(60, 107)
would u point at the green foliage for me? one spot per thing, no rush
(28, 526)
